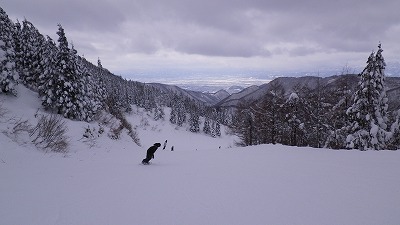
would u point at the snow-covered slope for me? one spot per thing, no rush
(203, 181)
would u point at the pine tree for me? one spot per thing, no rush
(217, 129)
(382, 106)
(178, 112)
(18, 49)
(341, 101)
(95, 86)
(207, 126)
(66, 92)
(98, 79)
(173, 114)
(213, 132)
(87, 102)
(149, 99)
(314, 109)
(30, 50)
(47, 82)
(243, 125)
(65, 85)
(194, 122)
(268, 115)
(158, 113)
(181, 113)
(294, 126)
(8, 73)
(368, 112)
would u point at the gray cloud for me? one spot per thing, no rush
(89, 15)
(270, 29)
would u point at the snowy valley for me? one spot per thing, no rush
(73, 136)
(204, 180)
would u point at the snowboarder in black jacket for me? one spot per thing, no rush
(150, 153)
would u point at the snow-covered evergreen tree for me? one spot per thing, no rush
(100, 91)
(382, 104)
(94, 93)
(65, 86)
(178, 111)
(149, 98)
(8, 73)
(173, 115)
(217, 129)
(207, 126)
(18, 49)
(194, 122)
(47, 82)
(96, 85)
(159, 113)
(87, 101)
(30, 50)
(213, 132)
(243, 125)
(368, 129)
(181, 116)
(294, 126)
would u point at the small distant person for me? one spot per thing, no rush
(172, 148)
(150, 153)
(165, 144)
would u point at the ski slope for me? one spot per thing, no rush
(198, 183)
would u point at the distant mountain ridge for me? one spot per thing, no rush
(206, 98)
(224, 98)
(255, 93)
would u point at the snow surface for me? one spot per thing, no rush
(266, 184)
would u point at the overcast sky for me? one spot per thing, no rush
(200, 35)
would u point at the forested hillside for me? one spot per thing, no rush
(346, 111)
(71, 86)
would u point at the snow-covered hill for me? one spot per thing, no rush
(289, 84)
(235, 98)
(203, 181)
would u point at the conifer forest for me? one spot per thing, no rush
(352, 111)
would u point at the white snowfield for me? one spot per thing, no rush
(198, 183)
